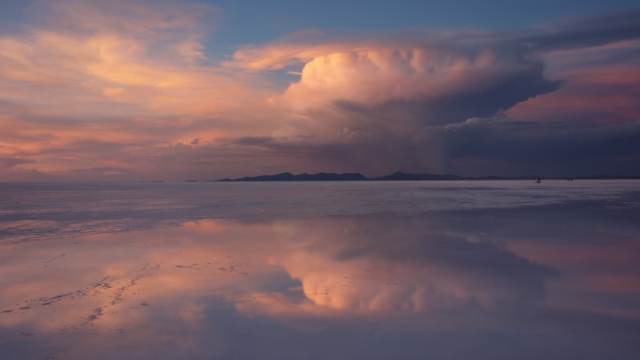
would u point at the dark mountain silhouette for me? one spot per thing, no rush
(304, 177)
(408, 176)
(402, 176)
(397, 176)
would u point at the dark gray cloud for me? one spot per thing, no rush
(548, 148)
(582, 120)
(591, 31)
(479, 147)
(485, 95)
(10, 162)
(544, 101)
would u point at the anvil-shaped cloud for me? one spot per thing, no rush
(129, 90)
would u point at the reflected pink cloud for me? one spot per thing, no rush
(279, 269)
(98, 284)
(152, 270)
(594, 269)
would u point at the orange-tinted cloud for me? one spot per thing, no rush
(128, 89)
(371, 73)
(603, 94)
(124, 75)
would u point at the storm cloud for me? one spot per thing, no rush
(92, 88)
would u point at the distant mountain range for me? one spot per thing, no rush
(397, 176)
(304, 177)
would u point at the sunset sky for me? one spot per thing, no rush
(173, 90)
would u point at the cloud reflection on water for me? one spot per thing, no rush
(490, 283)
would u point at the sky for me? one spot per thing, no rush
(174, 90)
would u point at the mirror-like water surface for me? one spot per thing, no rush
(406, 270)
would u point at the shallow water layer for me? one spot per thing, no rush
(395, 270)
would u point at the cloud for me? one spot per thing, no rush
(9, 162)
(437, 81)
(436, 75)
(592, 93)
(130, 85)
(585, 32)
(382, 105)
(91, 83)
(560, 148)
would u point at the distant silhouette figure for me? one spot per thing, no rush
(538, 181)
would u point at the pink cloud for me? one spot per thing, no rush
(124, 88)
(603, 93)
(132, 75)
(374, 72)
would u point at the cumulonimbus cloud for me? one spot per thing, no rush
(392, 98)
(432, 73)
(129, 86)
